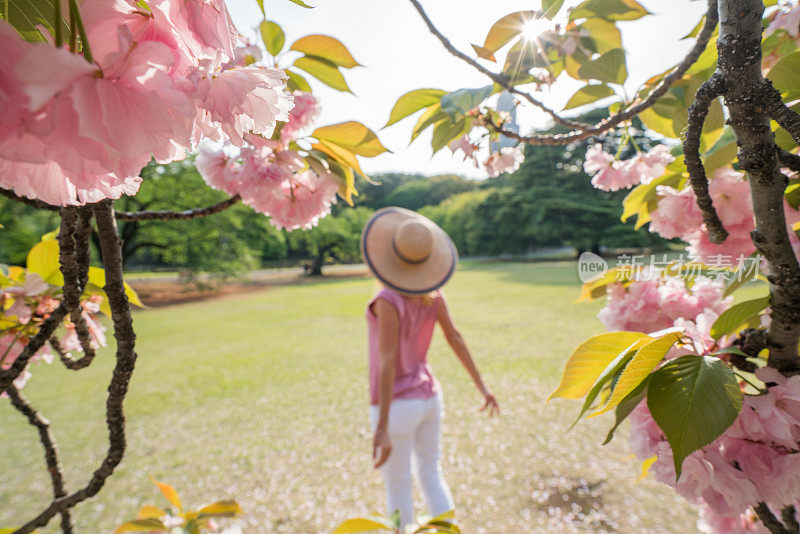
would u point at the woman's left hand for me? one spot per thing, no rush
(491, 403)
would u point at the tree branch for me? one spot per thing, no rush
(29, 201)
(126, 359)
(177, 215)
(69, 362)
(772, 104)
(789, 160)
(583, 131)
(706, 94)
(769, 520)
(739, 63)
(789, 517)
(50, 450)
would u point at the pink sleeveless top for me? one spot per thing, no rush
(413, 377)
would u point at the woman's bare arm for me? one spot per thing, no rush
(459, 346)
(388, 341)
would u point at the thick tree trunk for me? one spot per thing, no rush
(739, 71)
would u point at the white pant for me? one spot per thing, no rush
(414, 425)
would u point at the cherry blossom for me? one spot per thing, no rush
(507, 159)
(305, 111)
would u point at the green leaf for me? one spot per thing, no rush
(657, 122)
(720, 156)
(693, 399)
(273, 37)
(446, 131)
(29, 16)
(297, 82)
(737, 315)
(626, 406)
(352, 136)
(326, 47)
(413, 101)
(611, 10)
(458, 103)
(97, 278)
(639, 368)
(589, 360)
(609, 68)
(550, 8)
(785, 74)
(588, 94)
(300, 3)
(324, 71)
(637, 201)
(502, 32)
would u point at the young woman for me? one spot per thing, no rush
(412, 258)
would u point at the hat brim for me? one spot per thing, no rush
(390, 269)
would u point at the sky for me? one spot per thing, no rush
(399, 55)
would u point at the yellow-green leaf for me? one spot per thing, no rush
(639, 368)
(612, 10)
(550, 8)
(589, 360)
(363, 524)
(150, 512)
(737, 315)
(273, 36)
(296, 82)
(352, 136)
(605, 35)
(588, 94)
(505, 29)
(141, 525)
(433, 115)
(324, 71)
(343, 156)
(97, 278)
(646, 466)
(609, 68)
(413, 101)
(169, 492)
(220, 509)
(43, 260)
(325, 47)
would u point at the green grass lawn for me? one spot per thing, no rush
(263, 398)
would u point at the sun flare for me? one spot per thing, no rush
(533, 28)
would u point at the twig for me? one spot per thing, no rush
(68, 361)
(705, 95)
(126, 358)
(50, 450)
(769, 520)
(177, 215)
(499, 79)
(29, 201)
(582, 131)
(69, 301)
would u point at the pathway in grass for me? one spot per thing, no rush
(262, 397)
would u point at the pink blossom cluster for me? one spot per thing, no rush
(24, 305)
(273, 179)
(75, 131)
(656, 302)
(756, 460)
(506, 159)
(611, 174)
(678, 216)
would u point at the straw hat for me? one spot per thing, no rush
(407, 252)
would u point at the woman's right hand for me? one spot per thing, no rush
(491, 403)
(381, 447)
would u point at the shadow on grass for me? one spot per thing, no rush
(574, 501)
